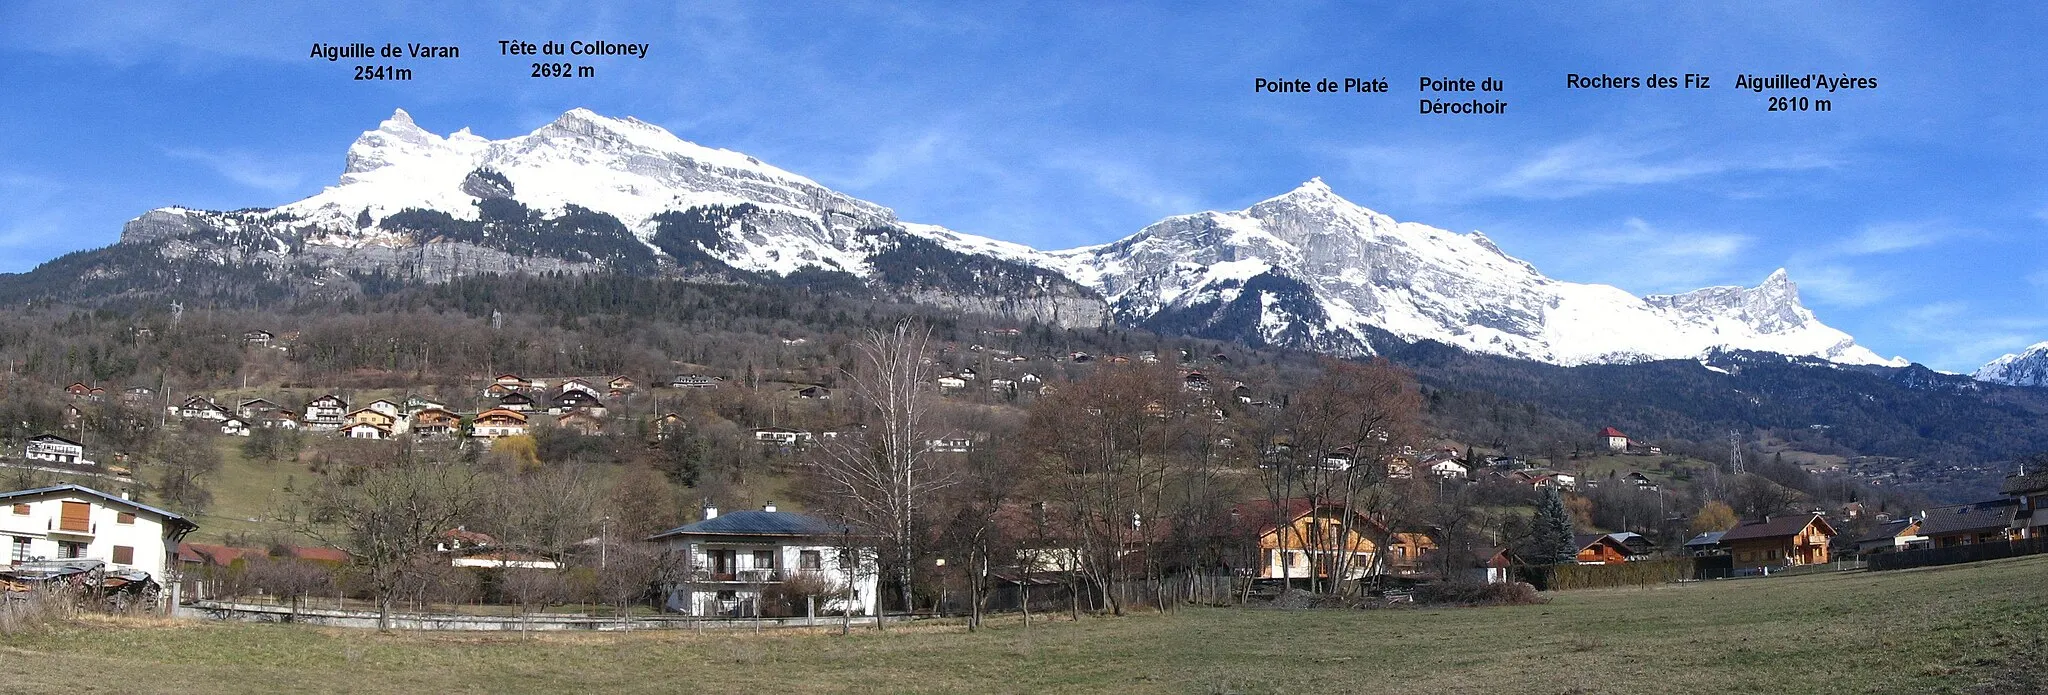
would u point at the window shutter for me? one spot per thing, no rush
(77, 516)
(125, 518)
(124, 555)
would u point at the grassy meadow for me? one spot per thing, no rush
(1979, 628)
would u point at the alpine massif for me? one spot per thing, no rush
(591, 194)
(2026, 368)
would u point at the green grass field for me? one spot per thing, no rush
(1976, 628)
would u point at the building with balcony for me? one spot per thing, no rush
(55, 449)
(765, 562)
(1781, 541)
(2029, 493)
(71, 522)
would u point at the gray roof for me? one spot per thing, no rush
(1975, 516)
(1886, 531)
(2024, 484)
(1708, 538)
(757, 523)
(169, 516)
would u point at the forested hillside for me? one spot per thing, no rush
(396, 333)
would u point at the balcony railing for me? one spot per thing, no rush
(748, 576)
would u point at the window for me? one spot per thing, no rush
(124, 555)
(728, 595)
(19, 552)
(764, 559)
(21, 509)
(811, 560)
(67, 550)
(125, 518)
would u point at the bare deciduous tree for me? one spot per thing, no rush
(388, 518)
(882, 473)
(1106, 442)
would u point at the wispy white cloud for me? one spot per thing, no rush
(243, 168)
(1128, 181)
(1647, 258)
(1599, 163)
(1574, 168)
(1956, 337)
(1839, 285)
(1892, 237)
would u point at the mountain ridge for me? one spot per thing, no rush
(1305, 269)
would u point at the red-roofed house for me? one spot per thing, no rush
(1614, 439)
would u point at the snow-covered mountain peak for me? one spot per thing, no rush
(1320, 259)
(397, 139)
(2027, 367)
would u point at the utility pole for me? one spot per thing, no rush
(1735, 452)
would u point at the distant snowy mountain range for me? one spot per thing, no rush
(1306, 269)
(2028, 367)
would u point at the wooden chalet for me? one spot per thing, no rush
(435, 422)
(366, 416)
(576, 401)
(2029, 493)
(1297, 539)
(516, 402)
(1779, 541)
(1975, 523)
(498, 422)
(1599, 549)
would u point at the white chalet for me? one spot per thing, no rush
(365, 430)
(325, 413)
(732, 558)
(953, 444)
(70, 522)
(781, 437)
(201, 407)
(1449, 470)
(234, 427)
(695, 381)
(55, 449)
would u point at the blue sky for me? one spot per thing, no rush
(1911, 215)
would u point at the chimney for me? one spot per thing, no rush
(710, 512)
(769, 507)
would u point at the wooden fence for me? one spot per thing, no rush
(1957, 554)
(1056, 594)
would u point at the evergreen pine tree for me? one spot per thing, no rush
(1553, 530)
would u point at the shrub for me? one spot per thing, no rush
(1478, 594)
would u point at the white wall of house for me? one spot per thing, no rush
(750, 571)
(39, 521)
